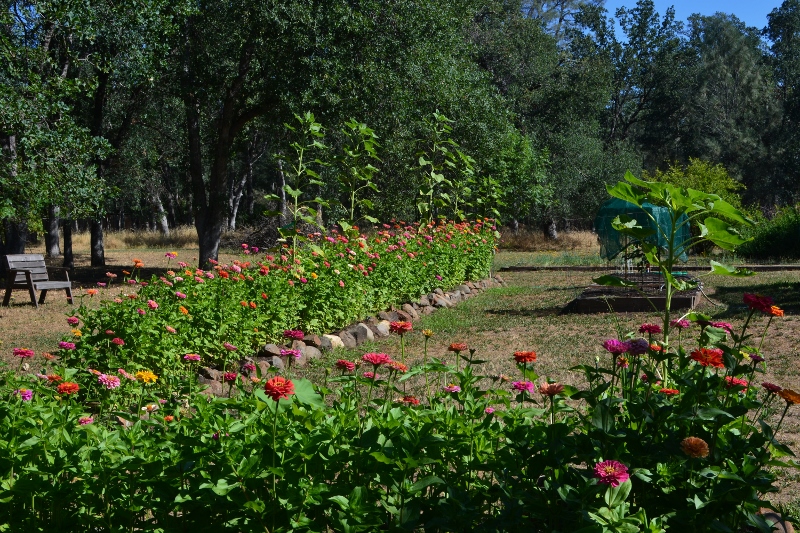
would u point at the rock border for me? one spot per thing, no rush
(374, 327)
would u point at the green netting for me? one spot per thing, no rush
(612, 242)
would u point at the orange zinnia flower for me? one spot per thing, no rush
(775, 311)
(708, 357)
(91, 292)
(457, 347)
(791, 397)
(525, 357)
(694, 447)
(184, 310)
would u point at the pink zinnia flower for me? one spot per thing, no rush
(23, 353)
(66, 345)
(524, 386)
(376, 359)
(615, 346)
(118, 341)
(86, 420)
(141, 311)
(73, 321)
(250, 367)
(551, 389)
(180, 295)
(191, 357)
(294, 353)
(400, 327)
(126, 375)
(341, 283)
(371, 375)
(24, 394)
(611, 473)
(489, 410)
(452, 388)
(109, 382)
(680, 324)
(152, 304)
(170, 329)
(230, 347)
(229, 377)
(722, 325)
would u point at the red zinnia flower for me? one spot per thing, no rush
(279, 387)
(670, 392)
(730, 381)
(229, 377)
(347, 366)
(400, 327)
(650, 328)
(708, 357)
(411, 400)
(771, 387)
(295, 334)
(68, 388)
(758, 302)
(524, 357)
(457, 347)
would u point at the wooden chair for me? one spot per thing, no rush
(30, 270)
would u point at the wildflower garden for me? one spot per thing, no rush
(110, 431)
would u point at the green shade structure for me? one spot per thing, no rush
(612, 242)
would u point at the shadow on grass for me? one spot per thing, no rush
(785, 294)
(536, 313)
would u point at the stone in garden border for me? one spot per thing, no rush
(312, 346)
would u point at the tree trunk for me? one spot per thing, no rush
(282, 193)
(69, 261)
(552, 230)
(16, 236)
(161, 217)
(98, 250)
(51, 235)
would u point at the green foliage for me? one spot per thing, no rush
(777, 238)
(323, 286)
(623, 454)
(701, 175)
(357, 170)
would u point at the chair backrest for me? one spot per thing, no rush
(31, 262)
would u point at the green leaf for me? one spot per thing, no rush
(425, 483)
(725, 270)
(723, 234)
(306, 395)
(613, 281)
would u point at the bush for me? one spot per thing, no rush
(775, 239)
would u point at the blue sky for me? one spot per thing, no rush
(752, 12)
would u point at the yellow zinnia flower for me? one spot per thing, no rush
(145, 376)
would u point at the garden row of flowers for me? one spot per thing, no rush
(681, 436)
(323, 286)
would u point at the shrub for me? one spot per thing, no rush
(778, 238)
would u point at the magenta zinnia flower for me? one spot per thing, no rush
(758, 302)
(524, 386)
(680, 324)
(66, 345)
(294, 353)
(294, 334)
(771, 387)
(118, 341)
(83, 421)
(191, 357)
(250, 367)
(611, 473)
(229, 377)
(230, 347)
(73, 321)
(615, 346)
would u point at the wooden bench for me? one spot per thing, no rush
(29, 271)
